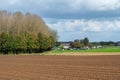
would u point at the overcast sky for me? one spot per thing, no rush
(99, 20)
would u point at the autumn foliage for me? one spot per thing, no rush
(24, 33)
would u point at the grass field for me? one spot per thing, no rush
(111, 49)
(101, 51)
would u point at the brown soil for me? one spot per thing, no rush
(60, 67)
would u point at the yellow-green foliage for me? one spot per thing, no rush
(24, 33)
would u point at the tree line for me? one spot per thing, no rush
(76, 44)
(24, 33)
(81, 43)
(106, 43)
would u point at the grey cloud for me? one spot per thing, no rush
(65, 8)
(76, 18)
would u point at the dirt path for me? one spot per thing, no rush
(59, 67)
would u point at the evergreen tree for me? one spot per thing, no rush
(86, 41)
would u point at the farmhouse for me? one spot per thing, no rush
(66, 45)
(98, 46)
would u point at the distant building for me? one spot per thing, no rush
(118, 44)
(65, 45)
(95, 47)
(84, 48)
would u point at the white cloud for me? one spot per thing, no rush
(9, 2)
(12, 2)
(103, 5)
(66, 5)
(95, 5)
(72, 29)
(86, 25)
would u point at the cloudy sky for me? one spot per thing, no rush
(99, 20)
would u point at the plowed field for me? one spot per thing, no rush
(60, 67)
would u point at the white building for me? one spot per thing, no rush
(66, 46)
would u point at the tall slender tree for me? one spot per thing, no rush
(24, 33)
